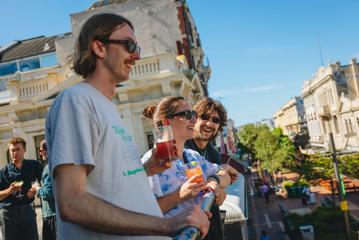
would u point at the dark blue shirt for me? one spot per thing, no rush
(212, 155)
(30, 172)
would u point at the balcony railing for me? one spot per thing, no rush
(34, 89)
(29, 75)
(157, 64)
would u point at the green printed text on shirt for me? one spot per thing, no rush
(133, 171)
(122, 133)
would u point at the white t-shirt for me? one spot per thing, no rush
(83, 127)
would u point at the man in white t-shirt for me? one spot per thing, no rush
(100, 185)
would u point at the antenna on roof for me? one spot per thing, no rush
(320, 51)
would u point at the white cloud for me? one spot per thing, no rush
(226, 93)
(260, 89)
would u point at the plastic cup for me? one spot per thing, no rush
(194, 168)
(19, 183)
(18, 194)
(165, 144)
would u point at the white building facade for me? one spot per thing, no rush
(171, 65)
(331, 105)
(291, 117)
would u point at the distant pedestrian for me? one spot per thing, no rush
(266, 191)
(264, 235)
(305, 195)
(45, 192)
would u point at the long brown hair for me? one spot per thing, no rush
(98, 27)
(209, 105)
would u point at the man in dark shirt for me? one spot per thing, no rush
(212, 116)
(18, 184)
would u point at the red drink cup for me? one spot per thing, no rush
(166, 150)
(165, 144)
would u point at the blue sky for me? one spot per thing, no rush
(260, 51)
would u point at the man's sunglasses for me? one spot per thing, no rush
(188, 114)
(206, 117)
(130, 45)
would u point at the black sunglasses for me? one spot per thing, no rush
(130, 45)
(188, 114)
(206, 117)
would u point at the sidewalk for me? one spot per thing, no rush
(267, 216)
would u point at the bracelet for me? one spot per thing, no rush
(215, 177)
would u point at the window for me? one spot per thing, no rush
(324, 127)
(351, 126)
(336, 126)
(331, 96)
(8, 68)
(150, 140)
(49, 60)
(29, 64)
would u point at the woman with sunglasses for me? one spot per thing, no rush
(173, 190)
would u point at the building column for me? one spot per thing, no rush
(133, 122)
(140, 133)
(166, 88)
(3, 154)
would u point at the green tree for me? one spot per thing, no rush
(247, 135)
(265, 146)
(349, 165)
(271, 148)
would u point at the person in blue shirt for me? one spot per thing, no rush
(18, 186)
(45, 192)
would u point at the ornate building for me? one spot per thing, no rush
(331, 101)
(291, 117)
(34, 71)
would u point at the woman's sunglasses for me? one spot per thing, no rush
(130, 45)
(206, 117)
(188, 114)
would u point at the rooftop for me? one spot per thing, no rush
(28, 47)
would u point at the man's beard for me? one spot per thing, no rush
(201, 136)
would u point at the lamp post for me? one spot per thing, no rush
(343, 203)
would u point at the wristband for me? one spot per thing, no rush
(215, 177)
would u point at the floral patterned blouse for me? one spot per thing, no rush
(171, 179)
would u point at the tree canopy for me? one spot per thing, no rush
(271, 147)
